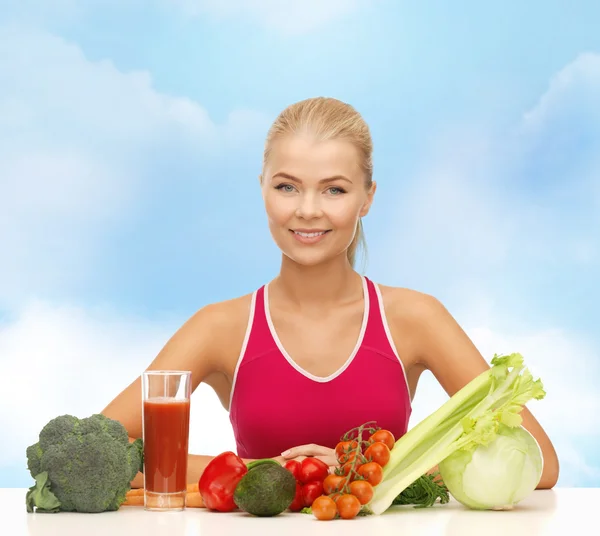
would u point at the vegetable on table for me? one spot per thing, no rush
(220, 478)
(351, 486)
(424, 492)
(496, 476)
(310, 474)
(193, 499)
(82, 465)
(266, 490)
(471, 420)
(324, 508)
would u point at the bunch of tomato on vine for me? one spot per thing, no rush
(361, 461)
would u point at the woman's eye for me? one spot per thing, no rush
(285, 187)
(336, 191)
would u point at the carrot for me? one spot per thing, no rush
(135, 497)
(194, 500)
(134, 500)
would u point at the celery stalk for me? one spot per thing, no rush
(469, 418)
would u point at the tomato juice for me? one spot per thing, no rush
(166, 435)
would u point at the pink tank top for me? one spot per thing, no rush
(276, 405)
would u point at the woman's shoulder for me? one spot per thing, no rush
(409, 304)
(216, 330)
(418, 321)
(225, 314)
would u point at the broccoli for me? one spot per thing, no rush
(82, 465)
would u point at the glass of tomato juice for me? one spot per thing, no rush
(166, 423)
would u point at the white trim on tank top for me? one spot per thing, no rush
(388, 334)
(321, 379)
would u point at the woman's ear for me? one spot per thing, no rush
(367, 205)
(260, 179)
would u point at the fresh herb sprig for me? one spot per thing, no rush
(424, 492)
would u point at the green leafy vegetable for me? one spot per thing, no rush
(40, 495)
(424, 492)
(470, 418)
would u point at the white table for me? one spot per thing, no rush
(556, 511)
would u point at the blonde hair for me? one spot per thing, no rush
(326, 119)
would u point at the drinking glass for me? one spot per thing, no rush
(166, 422)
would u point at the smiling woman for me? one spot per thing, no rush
(319, 331)
(299, 202)
(339, 143)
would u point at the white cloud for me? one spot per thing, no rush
(572, 93)
(58, 360)
(448, 205)
(484, 201)
(291, 18)
(77, 141)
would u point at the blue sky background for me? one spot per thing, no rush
(131, 139)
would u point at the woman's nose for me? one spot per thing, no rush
(308, 206)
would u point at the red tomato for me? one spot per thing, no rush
(384, 436)
(348, 506)
(298, 502)
(324, 508)
(372, 472)
(293, 466)
(348, 467)
(378, 452)
(343, 451)
(312, 470)
(333, 483)
(311, 491)
(362, 490)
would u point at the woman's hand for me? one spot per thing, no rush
(324, 454)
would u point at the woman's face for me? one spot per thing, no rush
(314, 194)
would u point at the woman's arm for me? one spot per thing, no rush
(197, 346)
(453, 359)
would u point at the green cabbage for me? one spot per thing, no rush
(495, 476)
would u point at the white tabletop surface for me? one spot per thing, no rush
(555, 512)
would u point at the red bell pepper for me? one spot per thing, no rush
(220, 477)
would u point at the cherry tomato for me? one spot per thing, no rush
(324, 508)
(311, 491)
(345, 458)
(333, 483)
(378, 452)
(372, 471)
(384, 436)
(343, 450)
(362, 490)
(347, 467)
(348, 506)
(293, 466)
(313, 469)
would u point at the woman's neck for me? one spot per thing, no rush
(329, 283)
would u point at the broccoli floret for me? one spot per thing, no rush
(89, 465)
